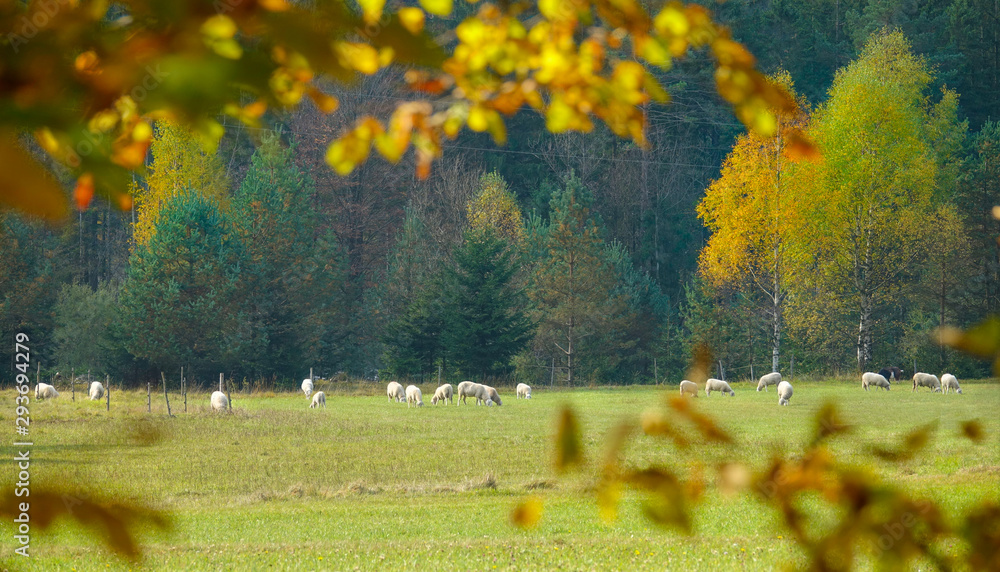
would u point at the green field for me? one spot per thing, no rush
(371, 485)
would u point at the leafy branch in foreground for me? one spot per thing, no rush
(890, 525)
(116, 524)
(90, 81)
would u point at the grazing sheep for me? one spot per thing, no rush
(307, 386)
(949, 381)
(96, 390)
(45, 391)
(319, 399)
(491, 396)
(414, 396)
(523, 390)
(443, 394)
(689, 388)
(921, 379)
(466, 389)
(784, 392)
(770, 379)
(395, 391)
(718, 385)
(219, 401)
(869, 379)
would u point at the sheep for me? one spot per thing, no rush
(395, 391)
(219, 401)
(319, 399)
(921, 379)
(490, 396)
(523, 390)
(96, 390)
(307, 386)
(870, 379)
(949, 381)
(443, 394)
(45, 391)
(770, 379)
(784, 393)
(466, 389)
(718, 385)
(689, 388)
(414, 396)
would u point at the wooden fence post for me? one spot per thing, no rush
(165, 397)
(107, 391)
(149, 402)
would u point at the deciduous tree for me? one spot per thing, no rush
(750, 212)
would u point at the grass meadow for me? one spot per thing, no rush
(371, 485)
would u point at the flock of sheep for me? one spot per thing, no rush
(486, 395)
(869, 379)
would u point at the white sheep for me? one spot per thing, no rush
(395, 391)
(466, 389)
(871, 379)
(307, 386)
(414, 396)
(443, 394)
(921, 379)
(949, 381)
(718, 385)
(784, 393)
(523, 391)
(772, 378)
(689, 388)
(96, 390)
(318, 400)
(490, 396)
(219, 401)
(45, 391)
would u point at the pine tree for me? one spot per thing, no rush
(181, 303)
(485, 312)
(572, 282)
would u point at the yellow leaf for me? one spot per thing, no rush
(208, 132)
(274, 5)
(31, 191)
(388, 146)
(671, 20)
(560, 116)
(229, 49)
(371, 9)
(653, 52)
(437, 7)
(527, 513)
(609, 493)
(412, 19)
(361, 57)
(569, 451)
(219, 27)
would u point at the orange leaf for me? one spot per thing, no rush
(84, 191)
(31, 190)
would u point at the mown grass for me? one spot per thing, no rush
(374, 485)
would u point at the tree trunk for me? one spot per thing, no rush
(865, 334)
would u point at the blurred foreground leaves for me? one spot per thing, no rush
(88, 79)
(116, 524)
(874, 519)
